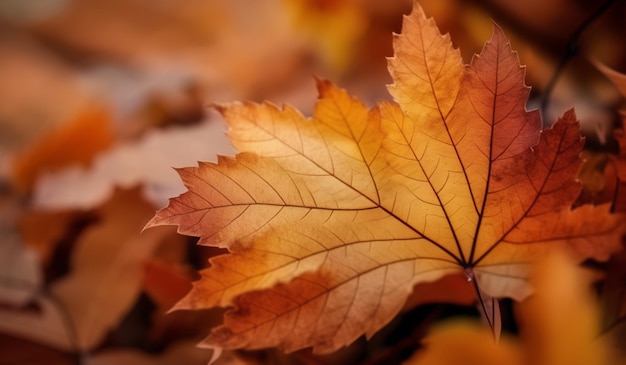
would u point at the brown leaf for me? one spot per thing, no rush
(16, 351)
(43, 230)
(104, 281)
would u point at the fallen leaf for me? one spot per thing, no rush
(20, 275)
(333, 26)
(42, 231)
(465, 343)
(148, 162)
(76, 142)
(619, 161)
(16, 351)
(165, 284)
(331, 221)
(225, 46)
(104, 280)
(613, 302)
(184, 352)
(548, 335)
(597, 178)
(39, 92)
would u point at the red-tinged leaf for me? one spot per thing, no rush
(331, 220)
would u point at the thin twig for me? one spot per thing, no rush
(571, 49)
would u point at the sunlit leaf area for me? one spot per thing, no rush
(312, 182)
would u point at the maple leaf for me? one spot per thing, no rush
(331, 221)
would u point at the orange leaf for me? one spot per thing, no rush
(77, 142)
(465, 344)
(331, 221)
(548, 333)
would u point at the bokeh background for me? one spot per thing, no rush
(100, 99)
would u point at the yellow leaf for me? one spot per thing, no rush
(465, 343)
(559, 325)
(333, 26)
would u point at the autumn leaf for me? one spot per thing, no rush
(147, 161)
(20, 273)
(547, 335)
(165, 284)
(333, 27)
(104, 281)
(617, 178)
(613, 301)
(619, 198)
(330, 221)
(77, 142)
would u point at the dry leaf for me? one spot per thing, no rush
(613, 301)
(559, 326)
(597, 178)
(619, 198)
(42, 231)
(104, 282)
(184, 352)
(465, 343)
(20, 274)
(16, 351)
(550, 333)
(165, 284)
(230, 48)
(76, 142)
(333, 27)
(331, 221)
(148, 162)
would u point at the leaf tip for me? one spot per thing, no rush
(323, 86)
